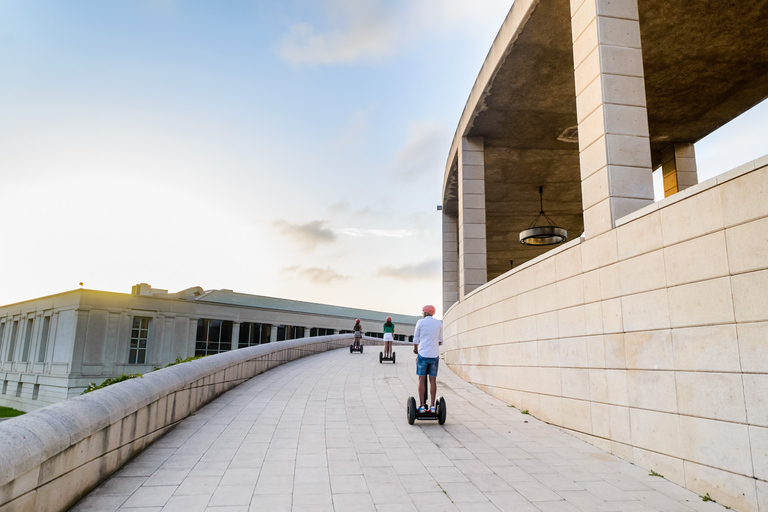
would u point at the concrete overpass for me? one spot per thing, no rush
(329, 433)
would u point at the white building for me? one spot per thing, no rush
(52, 347)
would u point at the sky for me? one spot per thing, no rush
(289, 148)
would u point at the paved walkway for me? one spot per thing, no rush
(329, 433)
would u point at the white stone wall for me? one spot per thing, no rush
(649, 340)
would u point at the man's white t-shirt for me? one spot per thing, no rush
(429, 335)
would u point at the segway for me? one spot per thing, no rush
(382, 358)
(359, 348)
(412, 410)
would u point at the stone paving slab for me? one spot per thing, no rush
(329, 433)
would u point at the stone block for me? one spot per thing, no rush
(743, 199)
(548, 352)
(671, 467)
(550, 382)
(601, 420)
(575, 383)
(735, 491)
(708, 348)
(649, 350)
(571, 321)
(599, 251)
(591, 130)
(759, 442)
(610, 282)
(593, 316)
(748, 246)
(568, 264)
(756, 398)
(640, 236)
(656, 431)
(692, 217)
(594, 156)
(750, 299)
(573, 352)
(598, 386)
(591, 283)
(624, 120)
(620, 425)
(577, 415)
(723, 400)
(698, 259)
(583, 15)
(590, 99)
(653, 390)
(616, 60)
(624, 90)
(614, 351)
(595, 188)
(642, 273)
(587, 71)
(585, 43)
(753, 346)
(702, 303)
(619, 32)
(598, 219)
(624, 206)
(626, 9)
(703, 443)
(645, 311)
(547, 325)
(762, 495)
(545, 298)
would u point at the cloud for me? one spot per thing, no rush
(354, 131)
(309, 234)
(316, 274)
(373, 30)
(423, 152)
(427, 269)
(360, 30)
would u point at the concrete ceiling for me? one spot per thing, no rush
(705, 63)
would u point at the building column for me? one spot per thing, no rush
(273, 334)
(614, 145)
(450, 261)
(678, 165)
(471, 223)
(307, 332)
(235, 335)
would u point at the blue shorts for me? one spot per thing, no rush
(427, 366)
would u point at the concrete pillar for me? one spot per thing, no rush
(471, 223)
(450, 261)
(306, 332)
(235, 335)
(678, 165)
(614, 145)
(273, 334)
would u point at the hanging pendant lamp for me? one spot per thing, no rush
(543, 235)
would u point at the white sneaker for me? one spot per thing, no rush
(422, 409)
(432, 409)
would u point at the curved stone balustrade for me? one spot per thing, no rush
(51, 457)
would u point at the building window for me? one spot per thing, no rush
(139, 336)
(318, 331)
(375, 334)
(35, 391)
(27, 340)
(253, 334)
(2, 336)
(19, 387)
(12, 344)
(399, 337)
(44, 339)
(345, 331)
(213, 337)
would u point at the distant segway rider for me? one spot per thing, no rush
(389, 337)
(427, 339)
(358, 330)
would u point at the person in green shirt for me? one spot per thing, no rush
(389, 337)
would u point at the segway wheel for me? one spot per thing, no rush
(381, 356)
(393, 358)
(410, 407)
(442, 412)
(350, 349)
(361, 349)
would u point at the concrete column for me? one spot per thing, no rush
(235, 335)
(614, 145)
(678, 165)
(471, 222)
(273, 334)
(306, 332)
(450, 261)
